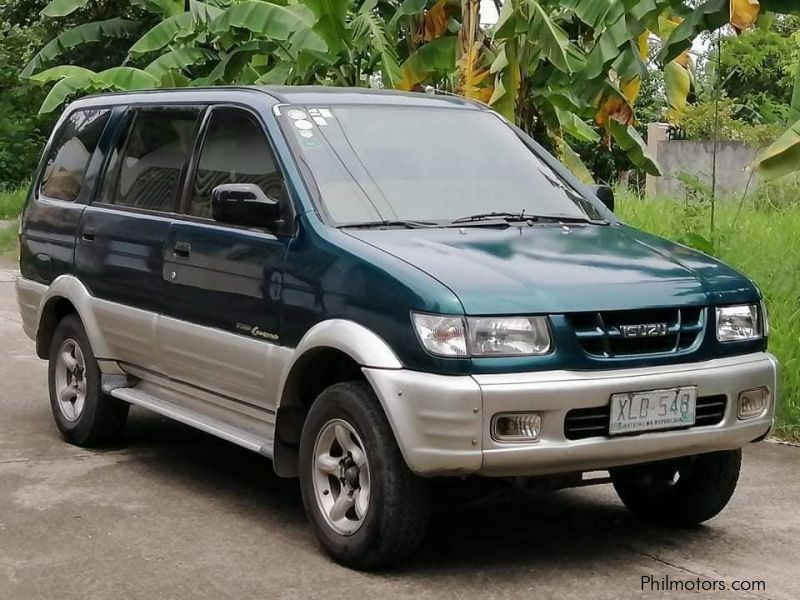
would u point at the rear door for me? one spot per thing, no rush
(224, 281)
(51, 218)
(122, 233)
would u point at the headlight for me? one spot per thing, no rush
(483, 336)
(508, 336)
(738, 323)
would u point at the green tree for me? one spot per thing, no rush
(21, 131)
(758, 69)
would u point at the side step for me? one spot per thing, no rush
(215, 427)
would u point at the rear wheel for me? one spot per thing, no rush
(685, 491)
(84, 415)
(364, 504)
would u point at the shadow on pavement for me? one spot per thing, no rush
(490, 526)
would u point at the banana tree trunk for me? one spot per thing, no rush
(473, 76)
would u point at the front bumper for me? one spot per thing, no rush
(442, 423)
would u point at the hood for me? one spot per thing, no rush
(554, 269)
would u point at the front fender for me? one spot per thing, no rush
(363, 345)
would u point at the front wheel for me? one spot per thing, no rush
(682, 492)
(365, 505)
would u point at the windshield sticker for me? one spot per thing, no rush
(320, 121)
(303, 124)
(296, 114)
(320, 112)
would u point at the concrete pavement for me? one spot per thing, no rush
(173, 513)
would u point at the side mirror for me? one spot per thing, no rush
(605, 194)
(244, 204)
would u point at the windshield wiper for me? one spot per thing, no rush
(389, 223)
(491, 216)
(566, 219)
(511, 217)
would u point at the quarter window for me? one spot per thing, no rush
(235, 150)
(65, 169)
(145, 169)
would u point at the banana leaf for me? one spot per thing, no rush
(95, 31)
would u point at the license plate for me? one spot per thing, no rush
(656, 409)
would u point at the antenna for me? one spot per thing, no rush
(717, 94)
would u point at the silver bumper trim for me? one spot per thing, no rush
(442, 423)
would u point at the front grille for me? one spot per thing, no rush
(600, 333)
(581, 423)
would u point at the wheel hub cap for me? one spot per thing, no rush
(341, 476)
(70, 380)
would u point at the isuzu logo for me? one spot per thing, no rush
(644, 330)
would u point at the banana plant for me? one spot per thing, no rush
(567, 71)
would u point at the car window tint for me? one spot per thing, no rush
(235, 150)
(145, 171)
(69, 157)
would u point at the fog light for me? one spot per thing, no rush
(753, 403)
(521, 427)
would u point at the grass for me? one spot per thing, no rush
(11, 201)
(760, 240)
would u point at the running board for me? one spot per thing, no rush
(215, 427)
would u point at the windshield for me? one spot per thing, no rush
(391, 163)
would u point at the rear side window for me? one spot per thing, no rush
(65, 169)
(235, 150)
(145, 167)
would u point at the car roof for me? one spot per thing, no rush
(305, 95)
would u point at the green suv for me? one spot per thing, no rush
(374, 289)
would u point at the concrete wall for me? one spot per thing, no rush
(695, 158)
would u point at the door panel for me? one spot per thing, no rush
(230, 281)
(119, 256)
(226, 277)
(119, 253)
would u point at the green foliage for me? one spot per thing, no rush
(22, 134)
(709, 16)
(783, 157)
(62, 8)
(11, 201)
(700, 123)
(774, 267)
(759, 68)
(78, 36)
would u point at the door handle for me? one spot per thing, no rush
(88, 234)
(182, 250)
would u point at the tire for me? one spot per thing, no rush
(84, 415)
(382, 527)
(682, 492)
